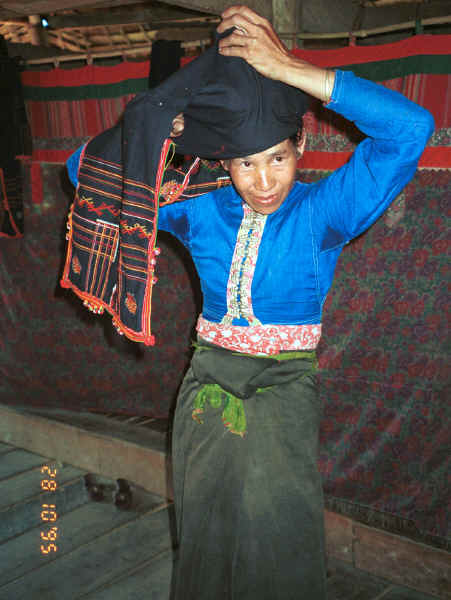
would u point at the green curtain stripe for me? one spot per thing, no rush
(86, 92)
(376, 71)
(401, 67)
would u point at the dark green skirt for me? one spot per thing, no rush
(249, 509)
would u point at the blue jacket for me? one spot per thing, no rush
(302, 240)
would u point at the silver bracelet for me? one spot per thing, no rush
(328, 86)
(327, 90)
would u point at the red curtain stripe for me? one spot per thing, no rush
(59, 126)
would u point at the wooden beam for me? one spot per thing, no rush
(377, 3)
(143, 51)
(362, 33)
(285, 20)
(407, 562)
(136, 50)
(125, 35)
(105, 449)
(388, 555)
(104, 43)
(30, 7)
(35, 26)
(64, 41)
(83, 40)
(14, 22)
(187, 35)
(216, 7)
(154, 25)
(18, 34)
(112, 40)
(123, 18)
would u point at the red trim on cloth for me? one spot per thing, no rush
(186, 59)
(37, 188)
(87, 75)
(148, 338)
(353, 55)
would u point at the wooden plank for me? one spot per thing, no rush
(102, 425)
(364, 33)
(31, 7)
(28, 484)
(403, 561)
(95, 451)
(19, 461)
(152, 17)
(215, 7)
(339, 536)
(17, 518)
(22, 554)
(348, 583)
(97, 562)
(377, 3)
(403, 593)
(286, 20)
(152, 582)
(6, 448)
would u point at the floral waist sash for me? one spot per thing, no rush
(260, 339)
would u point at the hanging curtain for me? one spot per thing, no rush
(15, 142)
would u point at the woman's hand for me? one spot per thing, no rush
(178, 125)
(255, 40)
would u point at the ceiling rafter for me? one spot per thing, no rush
(380, 3)
(108, 25)
(42, 7)
(91, 29)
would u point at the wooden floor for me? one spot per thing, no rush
(104, 552)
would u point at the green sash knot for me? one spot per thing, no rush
(240, 376)
(233, 415)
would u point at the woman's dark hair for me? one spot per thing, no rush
(296, 136)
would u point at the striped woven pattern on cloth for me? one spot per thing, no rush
(112, 228)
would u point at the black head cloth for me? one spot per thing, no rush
(230, 111)
(236, 112)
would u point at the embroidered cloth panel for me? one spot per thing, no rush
(260, 339)
(244, 261)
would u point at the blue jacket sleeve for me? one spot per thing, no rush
(175, 218)
(73, 164)
(354, 196)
